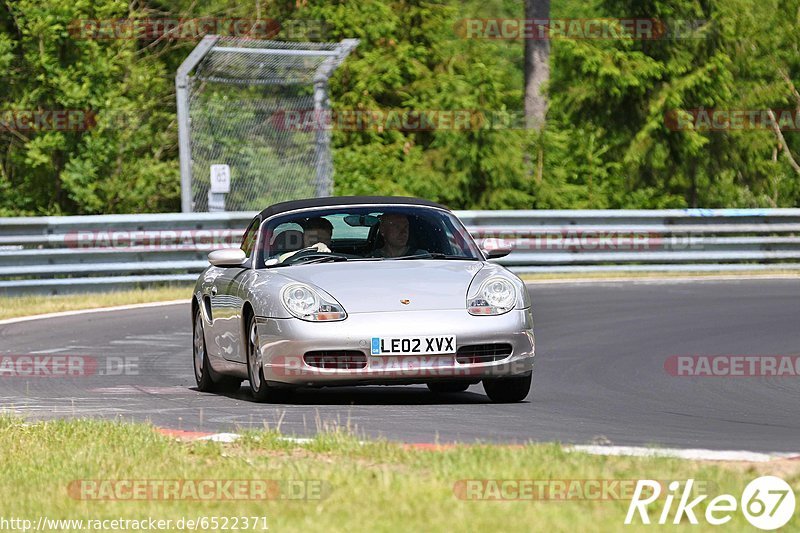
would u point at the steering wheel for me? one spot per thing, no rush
(307, 254)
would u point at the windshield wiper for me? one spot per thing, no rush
(433, 255)
(306, 259)
(321, 259)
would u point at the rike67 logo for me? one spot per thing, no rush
(767, 503)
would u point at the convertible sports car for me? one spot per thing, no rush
(361, 290)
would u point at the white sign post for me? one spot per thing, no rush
(220, 186)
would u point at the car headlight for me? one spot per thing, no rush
(495, 296)
(306, 303)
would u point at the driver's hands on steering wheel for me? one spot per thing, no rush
(319, 247)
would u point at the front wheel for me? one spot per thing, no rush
(508, 390)
(258, 385)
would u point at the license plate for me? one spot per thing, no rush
(413, 345)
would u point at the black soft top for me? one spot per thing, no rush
(332, 201)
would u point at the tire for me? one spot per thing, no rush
(445, 387)
(207, 380)
(508, 390)
(259, 389)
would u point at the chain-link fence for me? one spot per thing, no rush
(233, 97)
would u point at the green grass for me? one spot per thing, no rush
(372, 486)
(16, 306)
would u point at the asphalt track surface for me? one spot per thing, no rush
(599, 374)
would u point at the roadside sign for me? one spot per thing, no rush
(220, 179)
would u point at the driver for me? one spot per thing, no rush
(394, 230)
(317, 236)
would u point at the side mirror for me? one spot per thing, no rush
(496, 253)
(230, 257)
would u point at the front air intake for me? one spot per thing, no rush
(482, 353)
(338, 359)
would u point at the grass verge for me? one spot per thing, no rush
(339, 483)
(16, 306)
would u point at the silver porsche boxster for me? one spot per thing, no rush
(360, 290)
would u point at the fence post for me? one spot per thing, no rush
(182, 84)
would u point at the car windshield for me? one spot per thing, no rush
(372, 233)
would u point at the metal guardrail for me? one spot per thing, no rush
(82, 253)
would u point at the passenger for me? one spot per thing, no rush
(394, 230)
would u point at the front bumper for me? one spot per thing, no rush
(283, 343)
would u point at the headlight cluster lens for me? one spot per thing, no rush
(495, 297)
(305, 303)
(300, 300)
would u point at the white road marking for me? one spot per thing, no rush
(91, 311)
(137, 389)
(298, 440)
(679, 453)
(55, 350)
(165, 337)
(143, 342)
(221, 437)
(630, 451)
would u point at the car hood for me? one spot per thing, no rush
(374, 286)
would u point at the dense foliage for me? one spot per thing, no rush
(606, 143)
